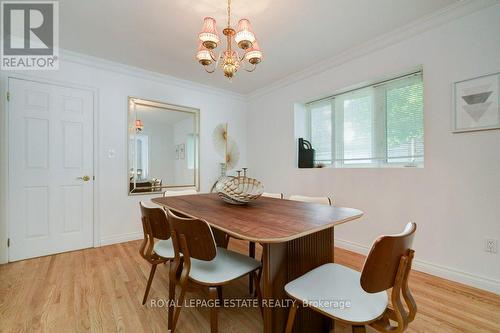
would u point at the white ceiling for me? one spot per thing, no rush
(161, 35)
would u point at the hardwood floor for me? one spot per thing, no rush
(100, 290)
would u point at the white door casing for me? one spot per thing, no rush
(50, 206)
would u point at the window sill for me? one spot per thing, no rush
(373, 166)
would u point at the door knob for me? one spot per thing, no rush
(84, 178)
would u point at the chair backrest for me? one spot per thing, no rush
(273, 195)
(199, 238)
(320, 200)
(174, 193)
(382, 263)
(155, 219)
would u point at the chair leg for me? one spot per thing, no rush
(212, 292)
(358, 329)
(259, 277)
(219, 294)
(251, 253)
(291, 317)
(179, 304)
(171, 300)
(150, 281)
(258, 291)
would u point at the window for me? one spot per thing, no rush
(190, 150)
(321, 117)
(357, 127)
(376, 126)
(142, 151)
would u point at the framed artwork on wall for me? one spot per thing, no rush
(182, 151)
(477, 104)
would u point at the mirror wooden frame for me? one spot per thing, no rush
(132, 102)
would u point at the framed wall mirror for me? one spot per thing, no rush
(163, 147)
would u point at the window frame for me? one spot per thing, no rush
(380, 153)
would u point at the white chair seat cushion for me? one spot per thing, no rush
(175, 193)
(226, 266)
(320, 200)
(272, 195)
(164, 248)
(326, 286)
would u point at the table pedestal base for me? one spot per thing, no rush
(284, 262)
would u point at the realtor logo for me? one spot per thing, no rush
(30, 35)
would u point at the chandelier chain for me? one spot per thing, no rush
(228, 13)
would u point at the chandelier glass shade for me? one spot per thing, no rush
(208, 35)
(229, 60)
(204, 55)
(254, 54)
(139, 125)
(244, 36)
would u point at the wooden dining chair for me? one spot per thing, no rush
(320, 200)
(273, 195)
(387, 266)
(157, 247)
(202, 262)
(221, 237)
(174, 193)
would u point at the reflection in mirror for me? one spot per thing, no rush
(163, 147)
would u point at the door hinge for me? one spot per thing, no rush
(8, 242)
(8, 96)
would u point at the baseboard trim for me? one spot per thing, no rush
(418, 265)
(121, 238)
(434, 269)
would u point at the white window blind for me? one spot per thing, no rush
(405, 132)
(321, 136)
(379, 125)
(357, 126)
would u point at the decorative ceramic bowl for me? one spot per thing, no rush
(239, 190)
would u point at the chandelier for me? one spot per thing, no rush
(229, 59)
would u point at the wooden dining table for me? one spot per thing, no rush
(296, 237)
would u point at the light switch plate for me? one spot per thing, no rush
(111, 153)
(491, 246)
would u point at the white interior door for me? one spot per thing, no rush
(50, 203)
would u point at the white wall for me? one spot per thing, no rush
(118, 213)
(182, 129)
(455, 199)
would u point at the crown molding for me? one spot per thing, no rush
(100, 63)
(445, 15)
